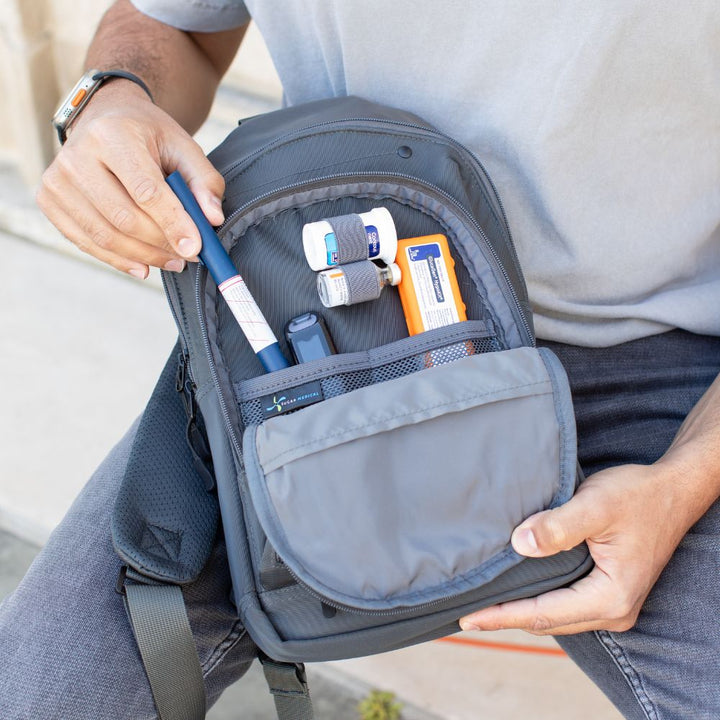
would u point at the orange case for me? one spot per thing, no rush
(406, 288)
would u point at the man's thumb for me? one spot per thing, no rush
(551, 531)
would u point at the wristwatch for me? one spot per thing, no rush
(79, 96)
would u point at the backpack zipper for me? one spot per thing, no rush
(201, 273)
(449, 199)
(428, 131)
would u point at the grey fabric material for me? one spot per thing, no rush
(290, 623)
(352, 242)
(366, 152)
(585, 118)
(167, 647)
(364, 360)
(363, 282)
(338, 382)
(196, 15)
(437, 187)
(288, 685)
(164, 521)
(371, 359)
(426, 466)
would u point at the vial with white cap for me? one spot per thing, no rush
(349, 238)
(355, 282)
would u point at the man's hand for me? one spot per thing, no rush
(632, 518)
(106, 189)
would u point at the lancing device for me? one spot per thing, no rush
(233, 288)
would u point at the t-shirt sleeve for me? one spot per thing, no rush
(196, 15)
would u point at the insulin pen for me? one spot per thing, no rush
(233, 288)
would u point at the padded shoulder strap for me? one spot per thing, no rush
(164, 521)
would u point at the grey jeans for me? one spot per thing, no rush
(67, 651)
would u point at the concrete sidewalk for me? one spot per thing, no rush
(82, 348)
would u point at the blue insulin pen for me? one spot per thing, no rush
(233, 288)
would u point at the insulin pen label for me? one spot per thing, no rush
(373, 238)
(247, 313)
(432, 286)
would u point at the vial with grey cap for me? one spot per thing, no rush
(355, 282)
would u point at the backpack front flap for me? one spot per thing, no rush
(380, 512)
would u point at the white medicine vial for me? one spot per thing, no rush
(355, 282)
(323, 248)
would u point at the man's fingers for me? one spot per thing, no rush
(91, 232)
(120, 167)
(204, 181)
(145, 184)
(77, 236)
(109, 197)
(589, 604)
(561, 528)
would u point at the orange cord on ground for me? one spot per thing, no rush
(512, 647)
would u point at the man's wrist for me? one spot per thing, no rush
(83, 92)
(691, 477)
(120, 95)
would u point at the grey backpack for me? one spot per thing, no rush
(379, 511)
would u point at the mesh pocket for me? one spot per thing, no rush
(252, 411)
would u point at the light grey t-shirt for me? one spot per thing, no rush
(598, 122)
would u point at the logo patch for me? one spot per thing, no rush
(291, 399)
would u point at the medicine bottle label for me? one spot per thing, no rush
(373, 237)
(432, 285)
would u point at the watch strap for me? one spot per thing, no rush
(105, 74)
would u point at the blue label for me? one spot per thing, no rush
(373, 237)
(432, 267)
(332, 248)
(422, 252)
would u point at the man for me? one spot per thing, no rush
(599, 126)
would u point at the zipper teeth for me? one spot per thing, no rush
(171, 303)
(430, 131)
(180, 327)
(213, 371)
(446, 196)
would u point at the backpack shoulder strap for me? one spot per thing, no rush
(163, 526)
(288, 686)
(167, 648)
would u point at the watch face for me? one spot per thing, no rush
(74, 102)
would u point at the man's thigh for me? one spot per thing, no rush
(66, 647)
(629, 402)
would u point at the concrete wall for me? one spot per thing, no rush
(42, 47)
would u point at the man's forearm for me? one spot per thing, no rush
(182, 69)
